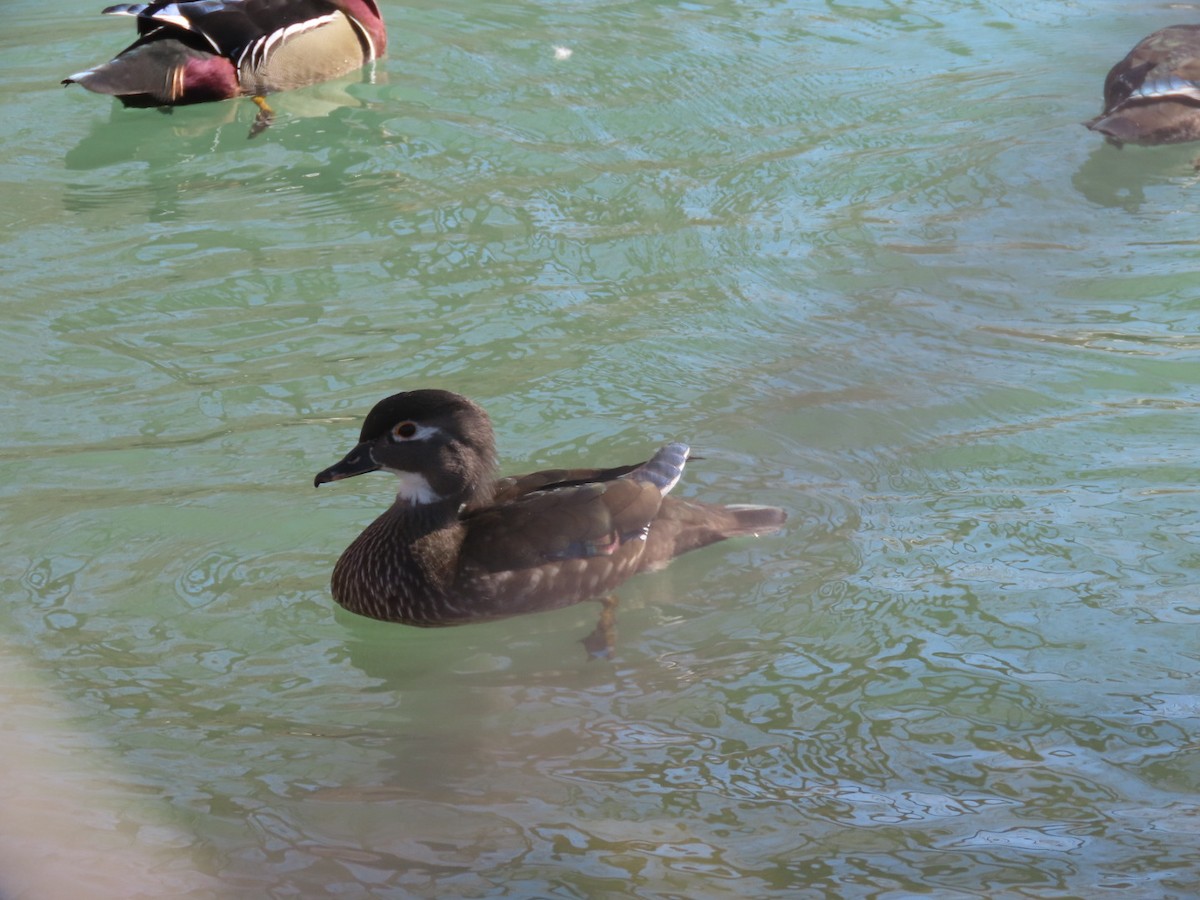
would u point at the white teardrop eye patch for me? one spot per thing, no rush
(408, 430)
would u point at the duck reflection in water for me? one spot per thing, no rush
(457, 546)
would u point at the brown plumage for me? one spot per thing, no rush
(1152, 96)
(457, 547)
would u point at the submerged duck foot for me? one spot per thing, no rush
(265, 116)
(602, 642)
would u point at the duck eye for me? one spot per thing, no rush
(405, 430)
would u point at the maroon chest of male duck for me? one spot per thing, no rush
(204, 50)
(457, 546)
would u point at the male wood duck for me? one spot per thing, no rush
(1152, 96)
(202, 50)
(457, 547)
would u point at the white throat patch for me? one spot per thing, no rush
(414, 489)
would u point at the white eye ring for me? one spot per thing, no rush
(408, 430)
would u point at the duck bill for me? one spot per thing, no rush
(357, 462)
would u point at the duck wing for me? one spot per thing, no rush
(564, 536)
(224, 27)
(507, 490)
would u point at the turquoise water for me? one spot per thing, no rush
(862, 257)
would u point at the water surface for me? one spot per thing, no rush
(861, 256)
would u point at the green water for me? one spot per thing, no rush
(861, 256)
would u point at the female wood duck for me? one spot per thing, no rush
(458, 547)
(194, 51)
(1152, 96)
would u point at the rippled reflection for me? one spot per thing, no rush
(862, 256)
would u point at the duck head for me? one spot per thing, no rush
(439, 444)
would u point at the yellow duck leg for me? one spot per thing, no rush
(265, 116)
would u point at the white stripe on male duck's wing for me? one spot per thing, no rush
(172, 14)
(186, 11)
(260, 50)
(125, 9)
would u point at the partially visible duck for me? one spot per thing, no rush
(202, 50)
(457, 547)
(1152, 96)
